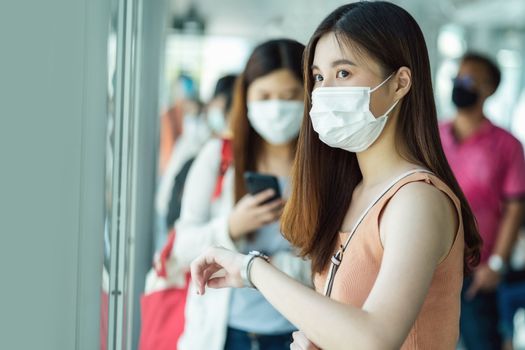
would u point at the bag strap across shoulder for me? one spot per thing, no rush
(226, 161)
(338, 257)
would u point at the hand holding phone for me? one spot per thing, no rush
(257, 183)
(256, 210)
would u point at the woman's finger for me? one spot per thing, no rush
(267, 218)
(263, 196)
(267, 214)
(247, 200)
(279, 213)
(302, 341)
(218, 282)
(294, 346)
(210, 271)
(198, 266)
(271, 207)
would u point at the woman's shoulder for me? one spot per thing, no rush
(210, 154)
(421, 210)
(429, 196)
(207, 162)
(212, 148)
(423, 194)
(422, 191)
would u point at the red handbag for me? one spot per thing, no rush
(162, 311)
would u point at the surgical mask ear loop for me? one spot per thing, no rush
(377, 87)
(383, 83)
(390, 109)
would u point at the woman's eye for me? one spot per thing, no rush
(318, 77)
(342, 74)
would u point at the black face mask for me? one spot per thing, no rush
(463, 97)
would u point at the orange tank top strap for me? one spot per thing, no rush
(425, 176)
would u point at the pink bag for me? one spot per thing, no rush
(162, 311)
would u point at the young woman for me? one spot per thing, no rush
(265, 120)
(374, 203)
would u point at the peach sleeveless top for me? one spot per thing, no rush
(437, 325)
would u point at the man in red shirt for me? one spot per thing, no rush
(489, 165)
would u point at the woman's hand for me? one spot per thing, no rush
(251, 214)
(214, 260)
(300, 342)
(484, 279)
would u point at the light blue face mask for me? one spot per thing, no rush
(216, 120)
(342, 117)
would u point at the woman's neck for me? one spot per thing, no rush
(275, 159)
(383, 160)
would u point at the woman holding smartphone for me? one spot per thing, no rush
(265, 119)
(374, 203)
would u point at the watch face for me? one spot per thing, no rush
(259, 254)
(496, 263)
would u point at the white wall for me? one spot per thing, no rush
(52, 134)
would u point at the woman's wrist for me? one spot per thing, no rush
(253, 270)
(252, 258)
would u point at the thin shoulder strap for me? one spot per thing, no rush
(338, 257)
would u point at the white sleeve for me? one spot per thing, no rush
(183, 150)
(196, 230)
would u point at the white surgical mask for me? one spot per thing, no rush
(276, 121)
(190, 124)
(216, 120)
(342, 117)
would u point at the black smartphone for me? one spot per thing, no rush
(256, 183)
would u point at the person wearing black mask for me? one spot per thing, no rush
(464, 93)
(489, 165)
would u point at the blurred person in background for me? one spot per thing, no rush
(265, 120)
(489, 165)
(217, 112)
(181, 119)
(184, 103)
(218, 109)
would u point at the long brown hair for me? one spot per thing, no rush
(265, 59)
(324, 178)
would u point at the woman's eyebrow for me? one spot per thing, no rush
(336, 63)
(342, 61)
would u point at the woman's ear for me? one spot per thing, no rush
(403, 82)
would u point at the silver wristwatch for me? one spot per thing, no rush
(247, 265)
(497, 264)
